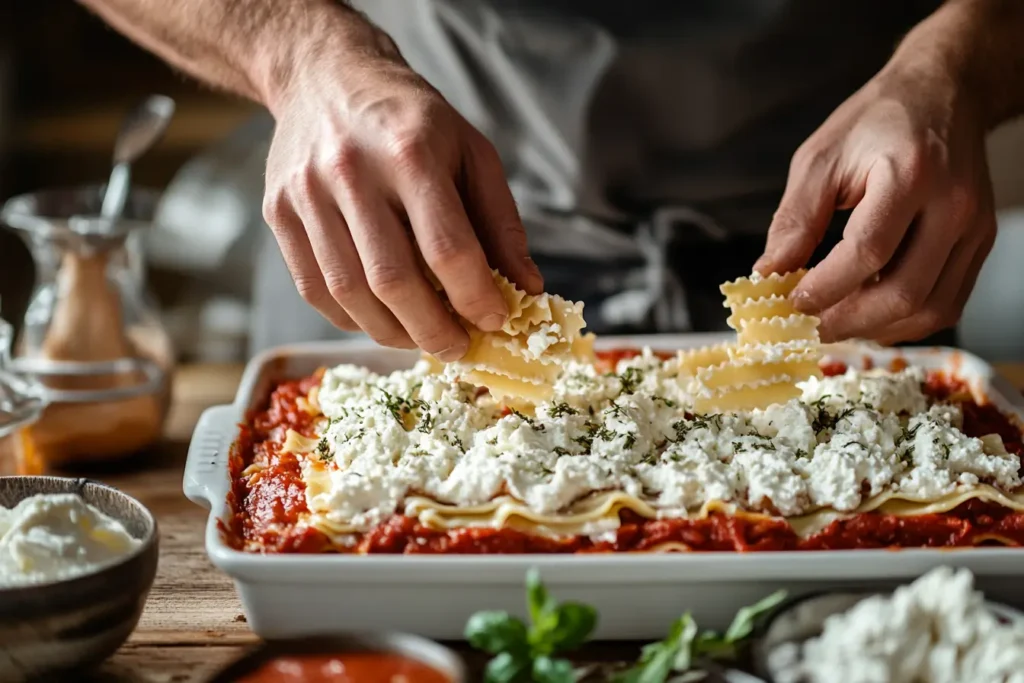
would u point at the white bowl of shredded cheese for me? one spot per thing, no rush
(938, 629)
(77, 559)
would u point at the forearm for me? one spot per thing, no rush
(979, 45)
(249, 47)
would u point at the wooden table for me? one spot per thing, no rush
(193, 622)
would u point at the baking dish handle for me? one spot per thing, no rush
(206, 467)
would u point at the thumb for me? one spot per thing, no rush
(800, 222)
(495, 218)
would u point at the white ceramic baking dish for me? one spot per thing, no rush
(637, 595)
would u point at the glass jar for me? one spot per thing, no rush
(91, 335)
(21, 404)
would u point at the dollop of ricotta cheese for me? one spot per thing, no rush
(846, 439)
(55, 537)
(935, 630)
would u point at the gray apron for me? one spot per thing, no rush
(646, 143)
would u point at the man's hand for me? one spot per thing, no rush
(909, 158)
(906, 153)
(369, 170)
(369, 164)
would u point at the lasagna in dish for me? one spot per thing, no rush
(534, 443)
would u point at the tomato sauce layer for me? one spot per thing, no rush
(267, 500)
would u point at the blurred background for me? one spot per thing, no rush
(66, 81)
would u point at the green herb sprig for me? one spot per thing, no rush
(523, 653)
(527, 653)
(686, 644)
(630, 380)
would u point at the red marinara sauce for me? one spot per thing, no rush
(355, 667)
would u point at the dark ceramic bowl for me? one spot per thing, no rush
(48, 630)
(420, 649)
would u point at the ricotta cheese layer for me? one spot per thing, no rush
(935, 630)
(847, 439)
(55, 537)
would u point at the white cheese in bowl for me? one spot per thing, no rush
(55, 537)
(935, 630)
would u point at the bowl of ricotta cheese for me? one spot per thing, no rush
(938, 629)
(77, 560)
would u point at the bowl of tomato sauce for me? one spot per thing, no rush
(355, 658)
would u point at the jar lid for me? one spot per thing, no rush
(21, 399)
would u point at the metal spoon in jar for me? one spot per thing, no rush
(140, 130)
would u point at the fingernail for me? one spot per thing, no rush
(801, 301)
(762, 265)
(452, 353)
(492, 323)
(538, 278)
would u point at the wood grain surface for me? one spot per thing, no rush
(193, 623)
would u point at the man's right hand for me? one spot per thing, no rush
(370, 164)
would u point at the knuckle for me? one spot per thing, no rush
(914, 165)
(963, 205)
(905, 302)
(927, 322)
(447, 251)
(785, 223)
(387, 281)
(311, 289)
(341, 284)
(513, 234)
(345, 159)
(275, 208)
(808, 158)
(870, 253)
(347, 324)
(410, 148)
(302, 182)
(932, 319)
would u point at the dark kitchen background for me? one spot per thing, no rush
(66, 81)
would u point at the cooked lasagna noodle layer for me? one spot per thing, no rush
(616, 459)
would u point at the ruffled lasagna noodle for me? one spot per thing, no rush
(755, 445)
(523, 359)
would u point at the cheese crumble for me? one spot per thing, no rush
(936, 630)
(847, 438)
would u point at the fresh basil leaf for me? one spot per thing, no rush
(548, 670)
(537, 598)
(659, 667)
(566, 627)
(686, 632)
(743, 625)
(494, 632)
(507, 668)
